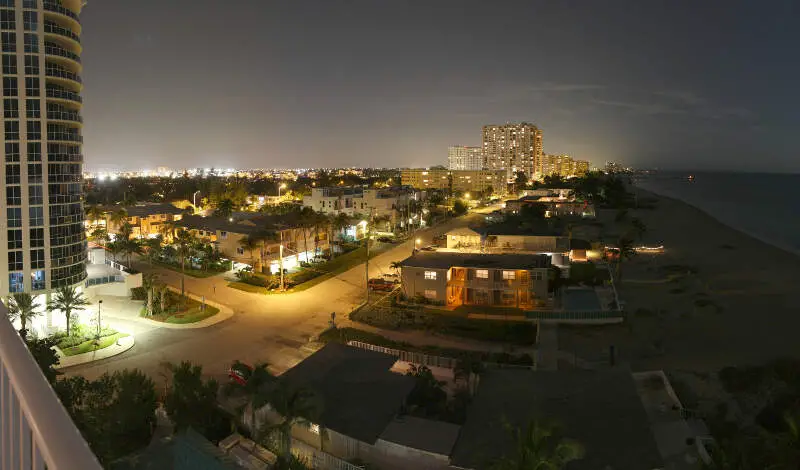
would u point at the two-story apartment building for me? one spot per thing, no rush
(146, 220)
(300, 244)
(453, 279)
(384, 203)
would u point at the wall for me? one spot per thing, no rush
(531, 242)
(414, 282)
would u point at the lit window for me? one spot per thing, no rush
(430, 275)
(509, 275)
(482, 273)
(430, 294)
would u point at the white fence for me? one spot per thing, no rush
(35, 430)
(409, 356)
(319, 460)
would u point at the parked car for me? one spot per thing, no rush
(386, 239)
(429, 248)
(240, 372)
(380, 284)
(391, 277)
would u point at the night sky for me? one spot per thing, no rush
(260, 83)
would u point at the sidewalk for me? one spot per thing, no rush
(132, 314)
(122, 345)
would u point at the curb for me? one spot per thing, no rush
(224, 313)
(123, 345)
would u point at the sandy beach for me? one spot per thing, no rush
(716, 297)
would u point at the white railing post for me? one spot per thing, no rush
(35, 429)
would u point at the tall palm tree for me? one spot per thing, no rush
(22, 306)
(116, 217)
(305, 220)
(255, 389)
(94, 213)
(125, 231)
(132, 246)
(68, 300)
(100, 235)
(153, 246)
(225, 208)
(626, 252)
(250, 243)
(184, 241)
(167, 231)
(538, 447)
(116, 247)
(295, 406)
(149, 283)
(396, 266)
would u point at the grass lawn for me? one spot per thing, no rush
(90, 345)
(191, 313)
(327, 270)
(199, 273)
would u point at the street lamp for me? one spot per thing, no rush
(99, 329)
(194, 199)
(282, 186)
(416, 245)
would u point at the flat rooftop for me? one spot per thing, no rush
(446, 260)
(599, 409)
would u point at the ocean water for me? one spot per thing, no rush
(765, 206)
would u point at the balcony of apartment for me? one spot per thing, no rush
(61, 94)
(64, 136)
(64, 115)
(36, 431)
(53, 51)
(66, 37)
(54, 9)
(64, 77)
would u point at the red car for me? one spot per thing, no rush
(239, 372)
(379, 284)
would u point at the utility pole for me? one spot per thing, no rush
(366, 264)
(280, 258)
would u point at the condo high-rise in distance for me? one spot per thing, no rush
(561, 165)
(43, 225)
(512, 147)
(460, 157)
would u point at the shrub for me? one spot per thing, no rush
(138, 293)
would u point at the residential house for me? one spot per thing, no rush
(386, 205)
(146, 220)
(553, 206)
(359, 403)
(463, 238)
(453, 279)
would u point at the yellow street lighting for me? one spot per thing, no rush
(466, 195)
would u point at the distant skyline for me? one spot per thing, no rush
(249, 84)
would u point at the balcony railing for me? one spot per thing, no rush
(61, 52)
(57, 8)
(63, 94)
(64, 137)
(71, 116)
(35, 430)
(58, 73)
(61, 31)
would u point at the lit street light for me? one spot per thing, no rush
(282, 186)
(416, 245)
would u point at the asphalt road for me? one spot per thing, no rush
(270, 328)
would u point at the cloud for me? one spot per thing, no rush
(641, 108)
(686, 97)
(563, 87)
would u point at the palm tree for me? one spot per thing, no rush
(295, 406)
(130, 247)
(149, 281)
(22, 306)
(167, 230)
(396, 266)
(340, 222)
(184, 241)
(626, 252)
(68, 299)
(153, 246)
(305, 220)
(250, 243)
(255, 388)
(116, 247)
(117, 217)
(225, 208)
(538, 447)
(100, 235)
(125, 231)
(94, 213)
